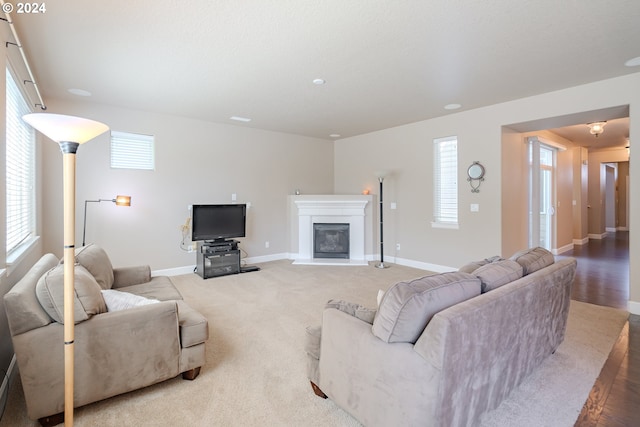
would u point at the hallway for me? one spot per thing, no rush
(602, 278)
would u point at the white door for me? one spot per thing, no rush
(542, 163)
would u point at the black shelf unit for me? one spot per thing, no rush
(218, 258)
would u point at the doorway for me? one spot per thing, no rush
(542, 171)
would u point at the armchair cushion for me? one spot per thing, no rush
(407, 307)
(97, 262)
(533, 259)
(129, 276)
(87, 297)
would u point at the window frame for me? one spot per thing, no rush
(20, 161)
(445, 192)
(134, 151)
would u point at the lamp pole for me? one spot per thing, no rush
(381, 264)
(69, 199)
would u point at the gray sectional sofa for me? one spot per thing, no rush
(132, 330)
(442, 349)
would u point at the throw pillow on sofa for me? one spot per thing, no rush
(356, 310)
(96, 260)
(407, 307)
(87, 299)
(116, 300)
(498, 273)
(533, 259)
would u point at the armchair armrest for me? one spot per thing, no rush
(129, 276)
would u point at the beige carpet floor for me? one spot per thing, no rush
(255, 370)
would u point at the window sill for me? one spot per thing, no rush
(17, 255)
(445, 225)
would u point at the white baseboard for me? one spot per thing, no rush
(633, 307)
(562, 249)
(266, 258)
(177, 271)
(436, 268)
(583, 241)
(598, 236)
(610, 229)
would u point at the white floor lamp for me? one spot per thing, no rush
(69, 132)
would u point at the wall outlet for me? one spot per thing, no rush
(266, 244)
(394, 205)
(397, 246)
(234, 197)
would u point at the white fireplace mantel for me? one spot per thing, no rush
(339, 209)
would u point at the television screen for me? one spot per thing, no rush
(218, 222)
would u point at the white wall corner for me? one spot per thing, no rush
(634, 307)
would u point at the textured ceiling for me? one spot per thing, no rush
(385, 63)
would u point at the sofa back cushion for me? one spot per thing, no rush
(407, 307)
(97, 262)
(87, 299)
(533, 259)
(473, 266)
(496, 274)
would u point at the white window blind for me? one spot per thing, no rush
(445, 178)
(20, 168)
(132, 151)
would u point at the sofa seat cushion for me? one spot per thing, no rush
(87, 299)
(194, 327)
(96, 260)
(118, 300)
(533, 259)
(159, 287)
(407, 307)
(496, 274)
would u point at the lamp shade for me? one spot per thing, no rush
(123, 200)
(61, 128)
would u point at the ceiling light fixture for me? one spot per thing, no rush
(452, 106)
(335, 135)
(319, 81)
(596, 128)
(240, 119)
(80, 92)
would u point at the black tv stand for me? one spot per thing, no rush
(249, 268)
(217, 258)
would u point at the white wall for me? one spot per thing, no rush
(407, 150)
(196, 162)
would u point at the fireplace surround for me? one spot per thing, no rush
(353, 210)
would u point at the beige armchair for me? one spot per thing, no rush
(146, 335)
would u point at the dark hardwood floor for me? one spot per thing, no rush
(602, 278)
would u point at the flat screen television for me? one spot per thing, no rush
(218, 222)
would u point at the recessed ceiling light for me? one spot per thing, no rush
(452, 106)
(335, 135)
(80, 92)
(319, 81)
(633, 62)
(240, 119)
